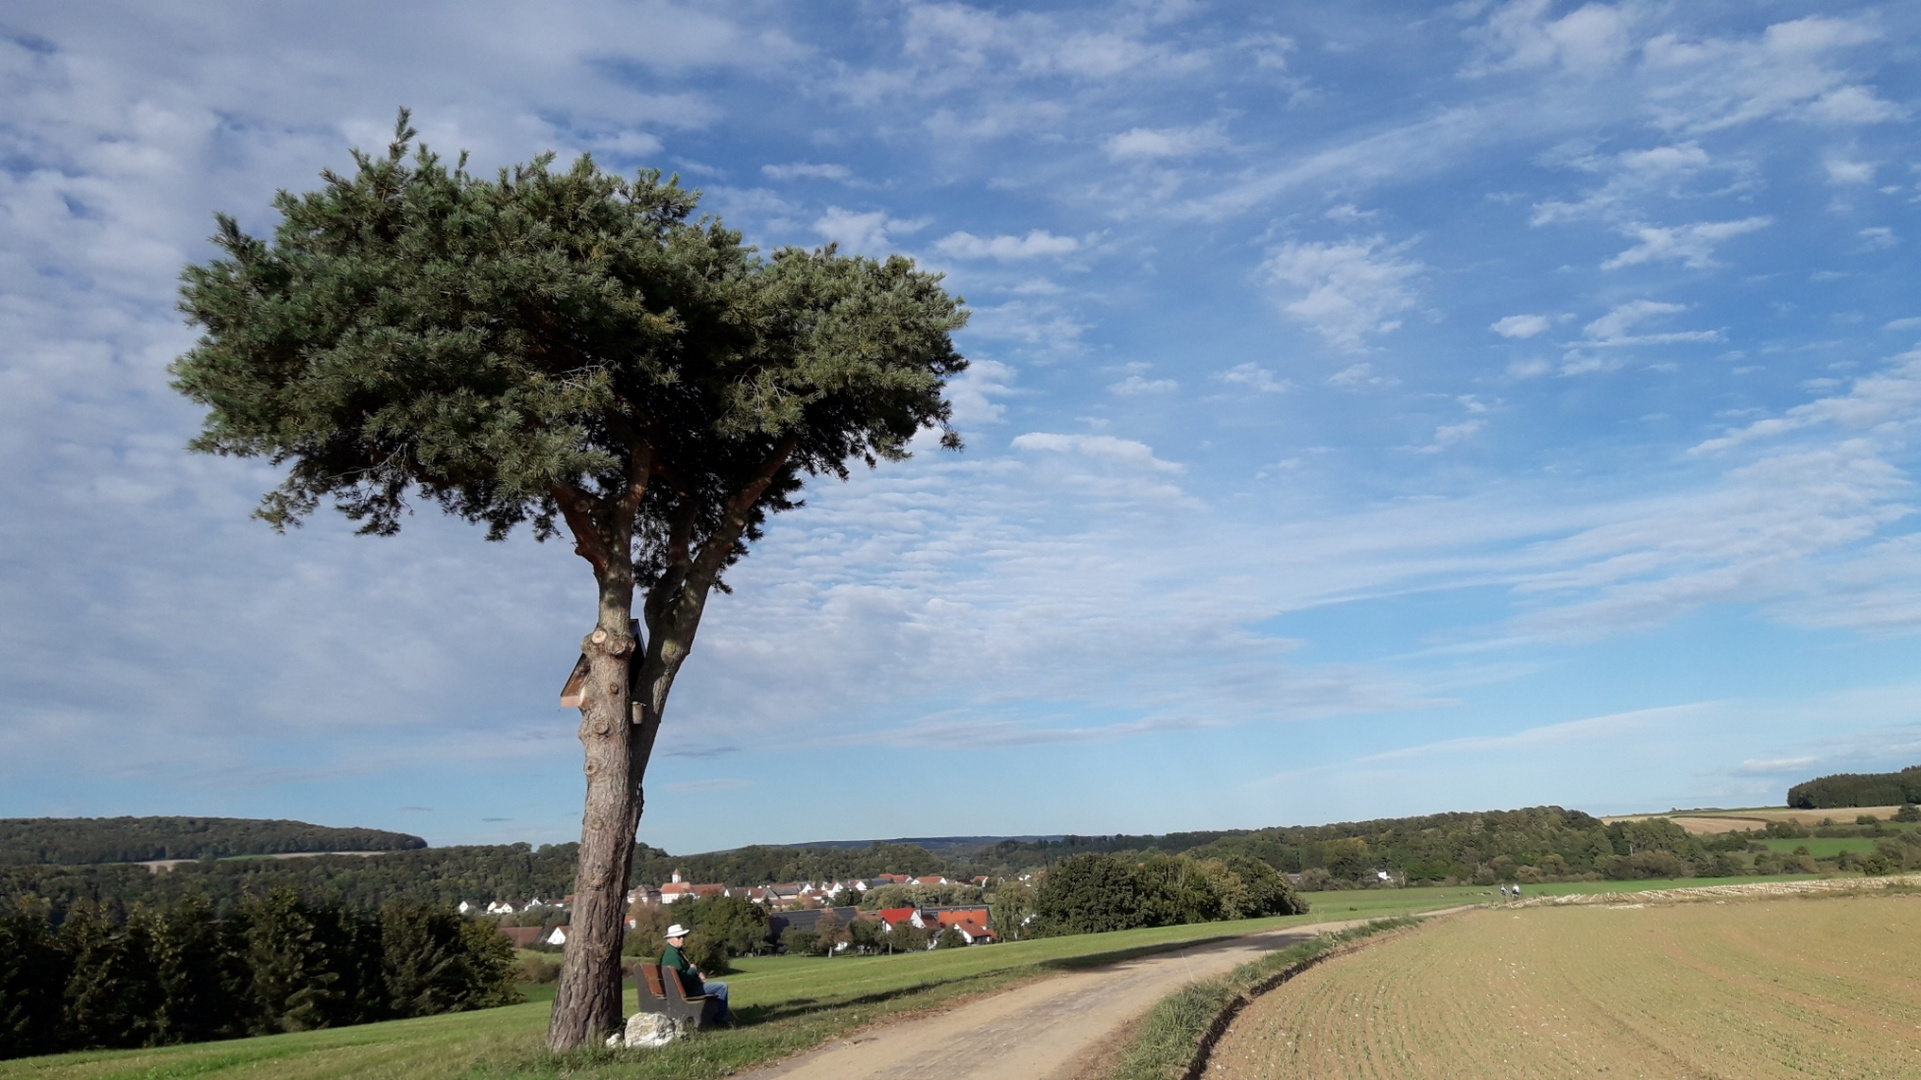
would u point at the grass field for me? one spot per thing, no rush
(788, 1004)
(1824, 847)
(1764, 988)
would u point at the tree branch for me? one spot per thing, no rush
(734, 517)
(590, 542)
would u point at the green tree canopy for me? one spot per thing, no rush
(568, 349)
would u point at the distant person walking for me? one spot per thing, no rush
(692, 979)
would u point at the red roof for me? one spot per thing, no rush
(962, 915)
(892, 915)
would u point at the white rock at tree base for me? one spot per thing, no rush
(649, 1029)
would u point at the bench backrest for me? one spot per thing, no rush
(651, 972)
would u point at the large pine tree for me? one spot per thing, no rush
(572, 350)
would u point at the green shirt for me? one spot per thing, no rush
(690, 979)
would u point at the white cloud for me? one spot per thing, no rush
(1614, 328)
(1355, 376)
(1616, 323)
(1041, 325)
(1849, 172)
(1633, 177)
(1447, 435)
(1878, 237)
(863, 233)
(1346, 291)
(1691, 245)
(1522, 326)
(1712, 83)
(1851, 105)
(973, 391)
(957, 44)
(1751, 536)
(1888, 400)
(1140, 143)
(1587, 41)
(803, 170)
(1104, 447)
(1254, 377)
(1135, 386)
(624, 145)
(1037, 243)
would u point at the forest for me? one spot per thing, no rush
(73, 841)
(185, 973)
(1858, 789)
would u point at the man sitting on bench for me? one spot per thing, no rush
(693, 981)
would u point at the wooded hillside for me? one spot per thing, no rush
(1858, 789)
(76, 841)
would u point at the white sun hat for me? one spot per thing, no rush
(676, 930)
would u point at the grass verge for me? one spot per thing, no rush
(1172, 1041)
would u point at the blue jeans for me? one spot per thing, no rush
(719, 990)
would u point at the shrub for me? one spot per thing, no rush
(1090, 894)
(535, 968)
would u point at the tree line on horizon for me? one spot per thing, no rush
(77, 841)
(1843, 790)
(186, 973)
(1537, 844)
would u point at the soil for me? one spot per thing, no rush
(1753, 986)
(1744, 820)
(1073, 1026)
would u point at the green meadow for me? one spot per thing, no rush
(785, 1005)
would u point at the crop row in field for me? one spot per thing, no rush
(1748, 988)
(1709, 822)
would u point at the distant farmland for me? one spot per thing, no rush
(1746, 988)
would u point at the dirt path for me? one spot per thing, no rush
(1044, 1030)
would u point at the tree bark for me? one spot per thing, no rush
(587, 1002)
(626, 694)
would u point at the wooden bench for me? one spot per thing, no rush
(661, 992)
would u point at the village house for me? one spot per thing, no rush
(806, 919)
(522, 937)
(971, 922)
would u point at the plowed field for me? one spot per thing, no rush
(1736, 990)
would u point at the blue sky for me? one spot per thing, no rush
(1375, 409)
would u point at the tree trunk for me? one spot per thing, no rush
(620, 713)
(587, 1003)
